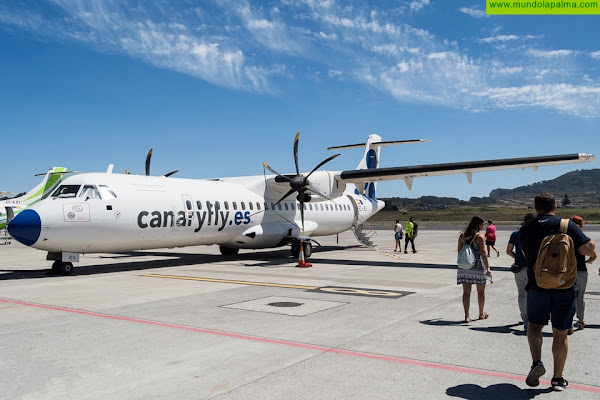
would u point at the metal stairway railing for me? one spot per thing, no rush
(363, 231)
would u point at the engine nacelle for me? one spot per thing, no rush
(325, 183)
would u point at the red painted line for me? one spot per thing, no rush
(324, 349)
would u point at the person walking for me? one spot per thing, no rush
(556, 305)
(410, 233)
(398, 233)
(519, 268)
(582, 279)
(479, 272)
(490, 238)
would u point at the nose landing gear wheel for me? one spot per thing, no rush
(62, 268)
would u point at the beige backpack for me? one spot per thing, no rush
(556, 266)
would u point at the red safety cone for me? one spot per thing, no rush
(301, 263)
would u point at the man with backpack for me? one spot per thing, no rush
(549, 245)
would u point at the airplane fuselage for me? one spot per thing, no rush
(114, 212)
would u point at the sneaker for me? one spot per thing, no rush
(405, 252)
(537, 370)
(559, 384)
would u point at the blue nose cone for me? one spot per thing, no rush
(26, 227)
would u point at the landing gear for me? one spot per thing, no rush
(62, 268)
(306, 247)
(228, 251)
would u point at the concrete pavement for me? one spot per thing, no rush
(191, 324)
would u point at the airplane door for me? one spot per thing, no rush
(355, 209)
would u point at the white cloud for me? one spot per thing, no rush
(242, 45)
(551, 53)
(572, 99)
(473, 12)
(418, 5)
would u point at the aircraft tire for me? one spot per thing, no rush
(56, 266)
(228, 251)
(66, 268)
(295, 250)
(307, 247)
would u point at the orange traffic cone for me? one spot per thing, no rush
(301, 263)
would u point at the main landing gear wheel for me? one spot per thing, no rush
(228, 251)
(62, 268)
(306, 247)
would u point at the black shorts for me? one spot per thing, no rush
(490, 243)
(557, 305)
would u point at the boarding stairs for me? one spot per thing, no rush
(364, 232)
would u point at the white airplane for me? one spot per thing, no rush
(110, 212)
(9, 208)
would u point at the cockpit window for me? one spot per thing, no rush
(107, 193)
(90, 192)
(66, 191)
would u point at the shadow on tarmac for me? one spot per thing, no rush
(264, 259)
(491, 329)
(501, 390)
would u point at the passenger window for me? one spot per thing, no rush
(188, 204)
(107, 193)
(234, 205)
(266, 206)
(243, 205)
(304, 206)
(250, 205)
(321, 207)
(286, 206)
(199, 205)
(66, 191)
(279, 205)
(272, 206)
(257, 205)
(226, 205)
(217, 205)
(90, 192)
(293, 205)
(310, 206)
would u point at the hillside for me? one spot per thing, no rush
(582, 188)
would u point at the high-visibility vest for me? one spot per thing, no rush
(409, 229)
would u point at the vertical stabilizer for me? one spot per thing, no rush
(51, 180)
(370, 160)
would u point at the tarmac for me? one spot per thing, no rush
(188, 323)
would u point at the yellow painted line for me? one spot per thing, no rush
(231, 281)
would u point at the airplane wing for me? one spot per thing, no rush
(415, 171)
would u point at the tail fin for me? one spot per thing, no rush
(371, 158)
(51, 180)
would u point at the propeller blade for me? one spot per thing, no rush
(285, 195)
(148, 162)
(316, 192)
(275, 172)
(171, 173)
(296, 153)
(302, 212)
(320, 165)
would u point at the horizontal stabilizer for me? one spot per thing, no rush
(378, 144)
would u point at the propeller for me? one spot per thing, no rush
(148, 157)
(299, 183)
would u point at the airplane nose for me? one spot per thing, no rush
(26, 227)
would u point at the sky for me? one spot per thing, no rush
(217, 87)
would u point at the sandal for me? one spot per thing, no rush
(484, 316)
(467, 320)
(580, 325)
